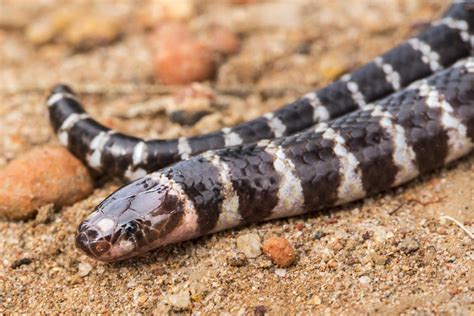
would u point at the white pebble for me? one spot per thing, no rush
(364, 280)
(280, 272)
(315, 300)
(180, 300)
(381, 235)
(84, 269)
(250, 245)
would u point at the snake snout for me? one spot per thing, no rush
(91, 243)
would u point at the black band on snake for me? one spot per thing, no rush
(366, 148)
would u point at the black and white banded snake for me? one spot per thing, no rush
(376, 128)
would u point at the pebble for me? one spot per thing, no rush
(280, 272)
(223, 40)
(249, 245)
(76, 27)
(332, 264)
(20, 262)
(160, 11)
(280, 251)
(315, 300)
(237, 260)
(83, 269)
(42, 176)
(177, 10)
(183, 62)
(45, 29)
(191, 104)
(299, 226)
(89, 31)
(319, 234)
(260, 310)
(180, 300)
(364, 280)
(337, 246)
(381, 235)
(408, 245)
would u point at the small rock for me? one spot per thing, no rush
(223, 40)
(336, 246)
(315, 300)
(197, 288)
(454, 290)
(177, 10)
(41, 31)
(89, 31)
(380, 234)
(366, 235)
(21, 262)
(191, 104)
(408, 245)
(138, 296)
(83, 269)
(279, 250)
(364, 280)
(250, 245)
(441, 230)
(238, 260)
(260, 310)
(187, 118)
(161, 11)
(280, 272)
(378, 259)
(332, 264)
(45, 29)
(299, 226)
(46, 175)
(319, 234)
(45, 214)
(182, 62)
(180, 300)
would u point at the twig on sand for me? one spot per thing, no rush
(469, 233)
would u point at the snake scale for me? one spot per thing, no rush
(405, 113)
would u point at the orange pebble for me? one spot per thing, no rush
(279, 250)
(183, 62)
(42, 176)
(223, 40)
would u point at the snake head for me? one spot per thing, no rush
(134, 219)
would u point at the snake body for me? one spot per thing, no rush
(105, 150)
(372, 149)
(366, 148)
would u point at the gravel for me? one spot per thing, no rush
(337, 249)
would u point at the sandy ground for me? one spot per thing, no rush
(388, 254)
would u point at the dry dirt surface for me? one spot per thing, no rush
(394, 253)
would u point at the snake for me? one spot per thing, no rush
(405, 113)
